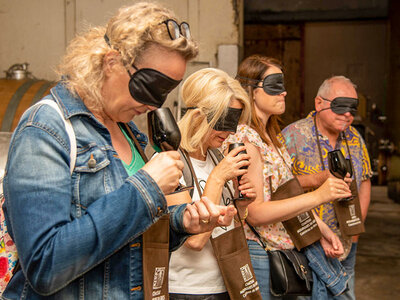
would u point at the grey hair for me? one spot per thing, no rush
(325, 87)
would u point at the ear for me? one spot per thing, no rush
(111, 60)
(252, 93)
(318, 103)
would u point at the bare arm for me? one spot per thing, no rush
(311, 181)
(364, 194)
(330, 242)
(227, 169)
(267, 212)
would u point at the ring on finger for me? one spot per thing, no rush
(205, 221)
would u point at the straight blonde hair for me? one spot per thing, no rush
(208, 93)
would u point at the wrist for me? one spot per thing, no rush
(219, 180)
(243, 216)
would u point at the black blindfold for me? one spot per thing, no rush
(272, 84)
(227, 122)
(342, 105)
(151, 87)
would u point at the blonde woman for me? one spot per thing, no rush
(80, 235)
(215, 103)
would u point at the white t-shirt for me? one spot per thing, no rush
(197, 272)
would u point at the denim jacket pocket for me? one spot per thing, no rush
(91, 159)
(90, 170)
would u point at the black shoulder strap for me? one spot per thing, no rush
(187, 174)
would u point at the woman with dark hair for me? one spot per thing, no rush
(262, 77)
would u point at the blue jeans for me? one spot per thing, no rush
(260, 262)
(349, 264)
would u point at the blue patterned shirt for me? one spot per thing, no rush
(302, 146)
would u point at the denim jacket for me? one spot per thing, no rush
(329, 276)
(79, 236)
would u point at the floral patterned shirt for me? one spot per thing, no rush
(301, 143)
(274, 169)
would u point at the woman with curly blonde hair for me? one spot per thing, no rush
(79, 215)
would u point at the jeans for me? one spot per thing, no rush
(260, 262)
(349, 264)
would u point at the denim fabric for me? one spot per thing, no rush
(330, 277)
(260, 262)
(79, 236)
(348, 264)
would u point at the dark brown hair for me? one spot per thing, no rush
(250, 71)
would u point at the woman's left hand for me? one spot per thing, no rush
(331, 243)
(248, 190)
(203, 215)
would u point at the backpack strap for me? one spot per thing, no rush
(217, 154)
(187, 173)
(68, 128)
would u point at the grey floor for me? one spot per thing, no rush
(378, 256)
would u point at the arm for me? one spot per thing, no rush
(364, 194)
(46, 237)
(312, 181)
(266, 212)
(227, 169)
(330, 242)
(98, 219)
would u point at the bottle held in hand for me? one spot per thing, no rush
(164, 134)
(231, 147)
(339, 167)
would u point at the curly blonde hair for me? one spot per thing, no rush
(209, 91)
(131, 31)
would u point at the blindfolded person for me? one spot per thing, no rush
(270, 168)
(327, 128)
(215, 104)
(79, 233)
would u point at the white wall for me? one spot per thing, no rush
(38, 31)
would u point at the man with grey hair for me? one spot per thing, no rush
(310, 139)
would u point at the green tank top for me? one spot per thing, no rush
(137, 161)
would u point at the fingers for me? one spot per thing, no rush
(338, 188)
(236, 151)
(203, 216)
(225, 219)
(210, 210)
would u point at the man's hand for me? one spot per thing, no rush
(203, 216)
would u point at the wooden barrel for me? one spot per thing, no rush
(16, 96)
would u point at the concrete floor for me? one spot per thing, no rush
(378, 256)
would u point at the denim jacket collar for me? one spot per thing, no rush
(72, 105)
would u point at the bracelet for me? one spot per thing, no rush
(246, 213)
